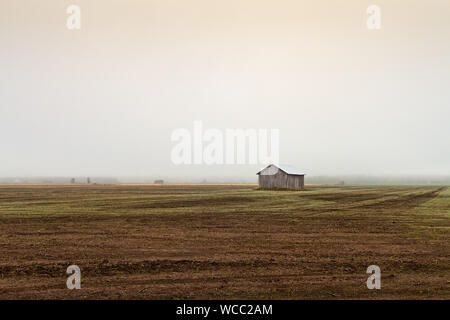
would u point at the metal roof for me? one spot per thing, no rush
(287, 169)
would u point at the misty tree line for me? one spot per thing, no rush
(73, 180)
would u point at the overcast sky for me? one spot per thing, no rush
(104, 100)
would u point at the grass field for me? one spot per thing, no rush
(204, 242)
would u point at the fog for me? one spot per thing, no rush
(103, 101)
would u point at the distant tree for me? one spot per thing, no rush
(72, 180)
(88, 180)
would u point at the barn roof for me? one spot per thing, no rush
(287, 169)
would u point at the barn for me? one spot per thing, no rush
(280, 177)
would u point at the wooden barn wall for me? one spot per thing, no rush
(280, 180)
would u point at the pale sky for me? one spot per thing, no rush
(105, 99)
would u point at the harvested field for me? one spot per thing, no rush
(224, 241)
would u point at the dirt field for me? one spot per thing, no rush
(204, 242)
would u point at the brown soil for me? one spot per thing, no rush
(204, 242)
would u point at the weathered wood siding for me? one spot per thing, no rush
(281, 180)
